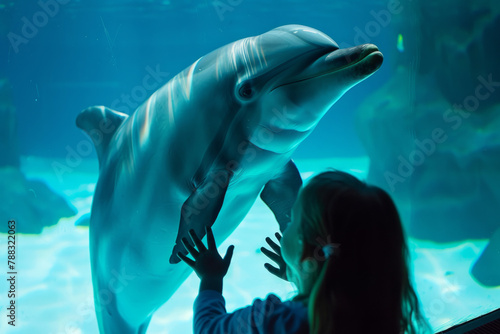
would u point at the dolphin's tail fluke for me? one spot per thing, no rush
(100, 123)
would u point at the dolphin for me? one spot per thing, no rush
(199, 152)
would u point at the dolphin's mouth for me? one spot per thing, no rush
(367, 57)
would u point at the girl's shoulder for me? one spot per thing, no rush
(279, 315)
(271, 298)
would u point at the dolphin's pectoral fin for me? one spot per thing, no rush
(201, 209)
(280, 193)
(100, 123)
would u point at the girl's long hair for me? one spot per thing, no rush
(364, 286)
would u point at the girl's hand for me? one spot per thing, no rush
(208, 263)
(276, 257)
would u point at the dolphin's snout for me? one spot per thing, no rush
(351, 57)
(359, 62)
(366, 49)
(371, 57)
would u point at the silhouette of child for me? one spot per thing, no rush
(345, 251)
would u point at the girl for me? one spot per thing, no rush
(345, 251)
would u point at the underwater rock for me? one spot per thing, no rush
(440, 164)
(433, 131)
(486, 269)
(8, 127)
(455, 41)
(444, 162)
(477, 58)
(31, 203)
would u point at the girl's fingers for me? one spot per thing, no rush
(273, 256)
(184, 258)
(210, 238)
(273, 245)
(190, 248)
(273, 270)
(197, 241)
(229, 255)
(278, 236)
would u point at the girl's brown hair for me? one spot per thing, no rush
(364, 286)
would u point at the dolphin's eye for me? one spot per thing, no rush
(246, 91)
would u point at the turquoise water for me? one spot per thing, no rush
(424, 127)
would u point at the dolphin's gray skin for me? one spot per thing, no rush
(198, 152)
